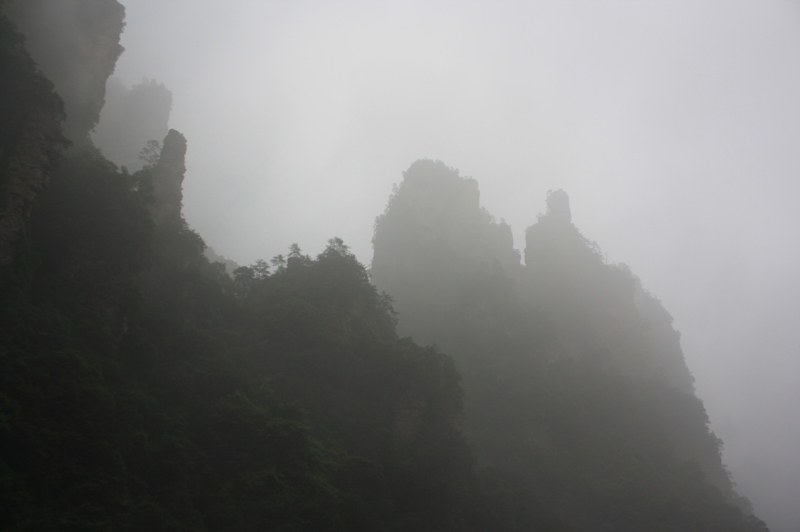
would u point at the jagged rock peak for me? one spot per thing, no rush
(558, 206)
(168, 177)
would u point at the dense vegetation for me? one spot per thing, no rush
(144, 388)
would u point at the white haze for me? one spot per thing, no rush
(673, 125)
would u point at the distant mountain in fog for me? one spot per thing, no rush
(574, 378)
(131, 117)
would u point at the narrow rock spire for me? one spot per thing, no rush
(168, 179)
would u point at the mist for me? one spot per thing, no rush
(672, 126)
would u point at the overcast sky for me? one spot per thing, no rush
(674, 126)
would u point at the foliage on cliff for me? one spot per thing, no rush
(144, 388)
(31, 116)
(141, 387)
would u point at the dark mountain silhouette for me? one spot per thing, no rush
(142, 387)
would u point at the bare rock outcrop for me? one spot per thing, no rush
(168, 177)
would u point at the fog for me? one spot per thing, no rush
(674, 127)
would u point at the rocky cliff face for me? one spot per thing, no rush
(31, 116)
(76, 44)
(168, 177)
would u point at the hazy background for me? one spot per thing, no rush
(674, 126)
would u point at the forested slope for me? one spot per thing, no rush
(142, 388)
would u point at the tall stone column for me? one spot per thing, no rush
(168, 177)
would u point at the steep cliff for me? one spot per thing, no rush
(31, 117)
(76, 44)
(168, 176)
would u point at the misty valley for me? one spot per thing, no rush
(453, 384)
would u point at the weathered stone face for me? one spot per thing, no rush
(168, 177)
